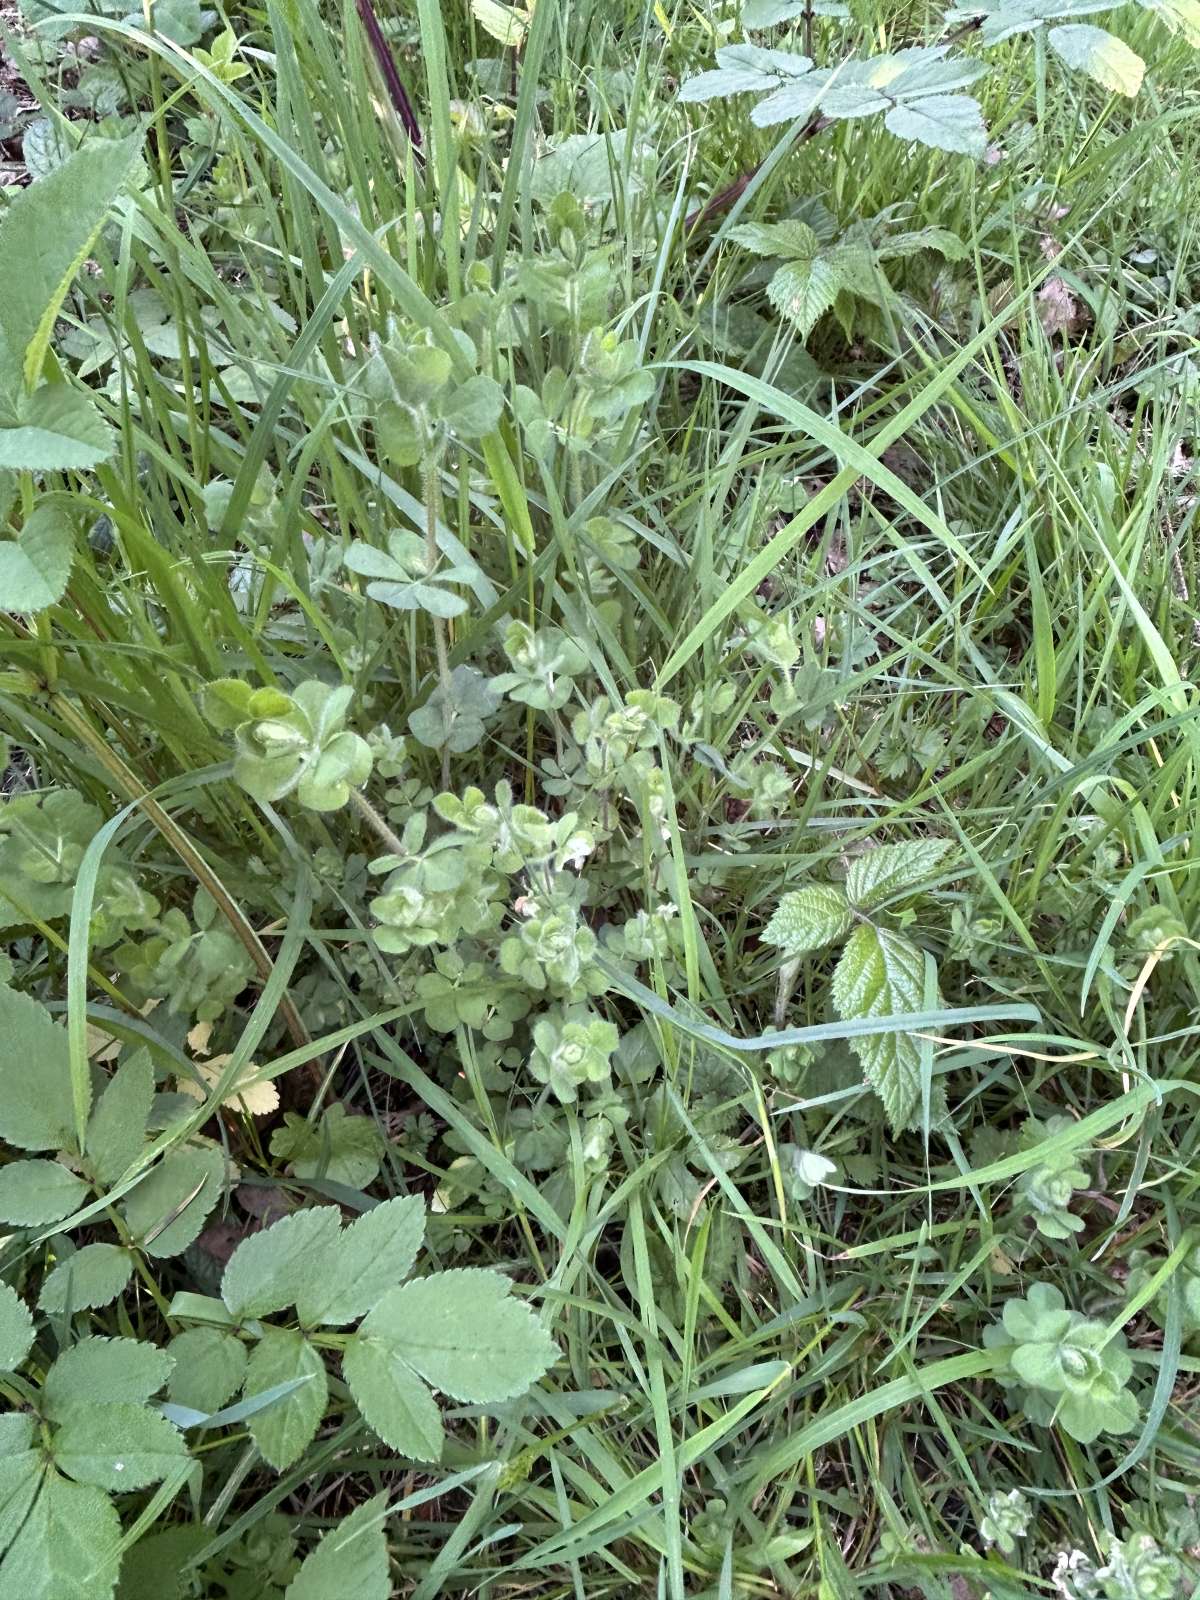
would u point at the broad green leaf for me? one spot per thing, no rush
(210, 1366)
(890, 869)
(156, 1567)
(1003, 19)
(36, 1192)
(117, 1130)
(117, 1445)
(36, 1111)
(99, 1369)
(272, 1269)
(16, 1329)
(351, 1561)
(463, 1334)
(373, 1255)
(1106, 59)
(951, 122)
(1180, 16)
(170, 1205)
(803, 291)
(808, 919)
(792, 101)
(92, 1277)
(16, 1433)
(67, 1546)
(35, 566)
(46, 232)
(55, 429)
(20, 1479)
(881, 974)
(284, 1431)
(392, 1399)
(744, 69)
(474, 408)
(791, 239)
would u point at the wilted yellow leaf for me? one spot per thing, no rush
(257, 1097)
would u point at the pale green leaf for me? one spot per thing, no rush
(373, 1255)
(36, 1108)
(881, 974)
(46, 232)
(890, 869)
(951, 122)
(271, 1270)
(508, 25)
(16, 1329)
(67, 1546)
(284, 1430)
(99, 1369)
(351, 1561)
(210, 1367)
(791, 238)
(1180, 16)
(1105, 59)
(20, 1479)
(170, 1205)
(35, 566)
(117, 1129)
(474, 408)
(463, 1334)
(392, 1399)
(808, 918)
(92, 1277)
(803, 291)
(36, 1192)
(116, 1445)
(55, 429)
(744, 69)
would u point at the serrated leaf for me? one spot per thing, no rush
(55, 429)
(951, 122)
(803, 291)
(1106, 59)
(792, 101)
(16, 1329)
(36, 1108)
(271, 1270)
(351, 1561)
(373, 1255)
(46, 232)
(36, 1192)
(67, 1546)
(92, 1277)
(1003, 19)
(1180, 16)
(891, 868)
(117, 1129)
(744, 69)
(808, 919)
(463, 1334)
(210, 1367)
(167, 1210)
(116, 1446)
(35, 566)
(284, 1431)
(881, 974)
(791, 238)
(20, 1479)
(104, 1370)
(392, 1398)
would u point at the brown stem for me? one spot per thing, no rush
(726, 197)
(390, 72)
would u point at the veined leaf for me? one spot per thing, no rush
(46, 232)
(808, 919)
(803, 291)
(99, 1369)
(373, 1255)
(116, 1446)
(117, 1129)
(395, 1402)
(1106, 59)
(35, 566)
(36, 1192)
(744, 69)
(67, 1546)
(272, 1269)
(16, 1329)
(508, 25)
(36, 1109)
(55, 429)
(170, 1205)
(789, 239)
(350, 1561)
(92, 1277)
(1180, 16)
(951, 122)
(890, 868)
(881, 974)
(284, 1431)
(463, 1334)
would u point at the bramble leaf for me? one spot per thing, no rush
(36, 1110)
(108, 1370)
(1106, 59)
(808, 919)
(37, 1192)
(117, 1129)
(117, 1445)
(210, 1367)
(67, 1546)
(92, 1277)
(881, 974)
(890, 869)
(35, 566)
(16, 1329)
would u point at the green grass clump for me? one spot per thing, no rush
(601, 796)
